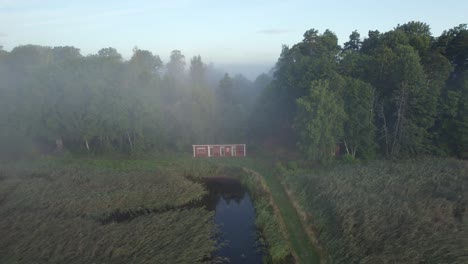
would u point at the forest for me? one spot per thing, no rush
(356, 152)
(55, 99)
(393, 94)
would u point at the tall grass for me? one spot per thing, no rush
(77, 191)
(268, 219)
(413, 211)
(52, 211)
(178, 236)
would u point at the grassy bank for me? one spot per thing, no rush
(268, 221)
(413, 211)
(302, 244)
(101, 211)
(299, 241)
(268, 218)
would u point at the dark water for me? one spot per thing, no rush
(235, 215)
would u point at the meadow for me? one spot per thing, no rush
(115, 210)
(407, 211)
(102, 211)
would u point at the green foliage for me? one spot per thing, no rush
(312, 59)
(354, 43)
(348, 158)
(388, 212)
(359, 128)
(402, 91)
(319, 122)
(451, 124)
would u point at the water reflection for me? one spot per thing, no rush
(235, 215)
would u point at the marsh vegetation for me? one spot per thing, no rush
(80, 213)
(413, 211)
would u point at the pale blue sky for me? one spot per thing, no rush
(229, 33)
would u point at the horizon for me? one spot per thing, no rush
(241, 37)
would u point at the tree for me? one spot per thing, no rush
(202, 104)
(453, 123)
(197, 71)
(144, 62)
(314, 58)
(359, 128)
(419, 36)
(319, 123)
(453, 44)
(225, 90)
(406, 100)
(354, 43)
(63, 54)
(176, 65)
(110, 53)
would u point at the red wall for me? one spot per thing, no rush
(216, 151)
(201, 151)
(240, 151)
(228, 151)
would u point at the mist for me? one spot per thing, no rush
(55, 99)
(354, 153)
(249, 70)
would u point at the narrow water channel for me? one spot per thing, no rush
(235, 216)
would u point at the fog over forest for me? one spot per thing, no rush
(104, 103)
(402, 92)
(356, 153)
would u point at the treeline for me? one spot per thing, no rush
(54, 99)
(399, 93)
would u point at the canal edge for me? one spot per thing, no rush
(276, 211)
(311, 232)
(311, 238)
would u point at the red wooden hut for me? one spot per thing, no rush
(221, 150)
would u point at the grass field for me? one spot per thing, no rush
(101, 211)
(413, 211)
(64, 210)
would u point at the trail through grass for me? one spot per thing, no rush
(297, 235)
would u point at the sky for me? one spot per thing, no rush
(237, 36)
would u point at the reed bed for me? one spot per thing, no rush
(413, 211)
(54, 213)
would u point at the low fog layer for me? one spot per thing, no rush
(399, 93)
(250, 70)
(56, 98)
